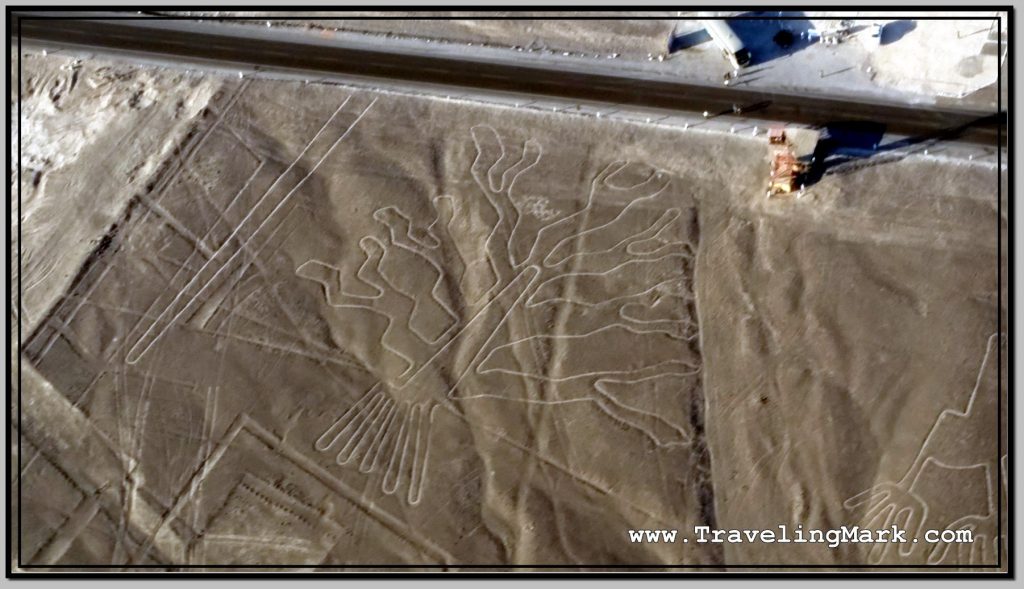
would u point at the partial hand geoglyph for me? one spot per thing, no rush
(951, 445)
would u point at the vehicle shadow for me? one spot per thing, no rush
(895, 31)
(762, 35)
(687, 40)
(848, 146)
(767, 38)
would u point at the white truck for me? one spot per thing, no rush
(730, 44)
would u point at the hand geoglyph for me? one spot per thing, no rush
(492, 301)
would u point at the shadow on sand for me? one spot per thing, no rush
(757, 31)
(895, 31)
(687, 40)
(848, 146)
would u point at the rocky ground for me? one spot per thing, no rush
(93, 134)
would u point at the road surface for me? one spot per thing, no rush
(211, 41)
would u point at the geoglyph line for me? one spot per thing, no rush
(154, 333)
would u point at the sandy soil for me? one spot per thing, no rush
(835, 335)
(352, 326)
(950, 59)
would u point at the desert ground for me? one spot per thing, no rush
(268, 322)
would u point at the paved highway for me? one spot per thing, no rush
(212, 41)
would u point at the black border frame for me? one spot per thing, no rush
(532, 570)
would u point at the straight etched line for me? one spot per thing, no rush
(150, 337)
